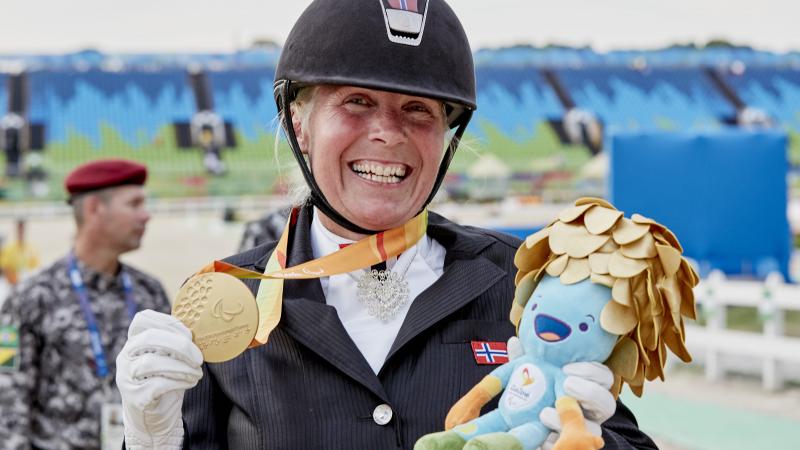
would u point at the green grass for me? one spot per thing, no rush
(744, 318)
(252, 168)
(173, 171)
(792, 323)
(542, 152)
(794, 148)
(539, 154)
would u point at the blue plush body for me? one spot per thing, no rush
(560, 325)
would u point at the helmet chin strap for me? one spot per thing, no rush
(318, 198)
(462, 121)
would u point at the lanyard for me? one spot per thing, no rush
(365, 253)
(91, 321)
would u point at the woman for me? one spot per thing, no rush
(369, 92)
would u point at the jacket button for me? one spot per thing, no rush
(382, 414)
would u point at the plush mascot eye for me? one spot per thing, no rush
(585, 326)
(533, 308)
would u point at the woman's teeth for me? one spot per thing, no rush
(379, 172)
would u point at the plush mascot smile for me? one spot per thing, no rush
(550, 329)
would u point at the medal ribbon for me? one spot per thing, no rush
(367, 252)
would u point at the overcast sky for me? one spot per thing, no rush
(124, 26)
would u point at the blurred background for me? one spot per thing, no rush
(685, 111)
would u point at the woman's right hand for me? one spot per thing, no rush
(158, 363)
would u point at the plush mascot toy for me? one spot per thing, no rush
(591, 286)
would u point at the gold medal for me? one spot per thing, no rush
(221, 312)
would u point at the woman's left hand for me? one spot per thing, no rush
(589, 383)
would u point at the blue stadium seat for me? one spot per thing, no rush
(513, 99)
(775, 90)
(137, 105)
(673, 56)
(3, 94)
(244, 97)
(663, 99)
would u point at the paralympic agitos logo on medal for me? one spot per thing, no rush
(218, 310)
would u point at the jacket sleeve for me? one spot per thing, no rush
(622, 432)
(205, 415)
(21, 314)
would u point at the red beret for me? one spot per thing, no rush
(104, 173)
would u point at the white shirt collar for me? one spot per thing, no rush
(323, 241)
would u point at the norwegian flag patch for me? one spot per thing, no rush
(491, 353)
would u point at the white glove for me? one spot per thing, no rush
(514, 348)
(157, 364)
(589, 383)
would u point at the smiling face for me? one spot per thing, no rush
(374, 154)
(561, 323)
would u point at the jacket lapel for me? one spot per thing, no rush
(317, 326)
(314, 324)
(466, 276)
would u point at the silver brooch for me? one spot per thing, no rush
(382, 292)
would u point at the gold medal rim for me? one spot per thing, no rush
(233, 288)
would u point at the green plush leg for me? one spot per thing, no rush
(455, 438)
(531, 434)
(494, 441)
(444, 440)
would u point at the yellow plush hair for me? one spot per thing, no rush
(640, 260)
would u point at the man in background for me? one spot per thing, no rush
(61, 329)
(264, 230)
(18, 257)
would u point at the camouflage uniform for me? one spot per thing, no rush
(53, 399)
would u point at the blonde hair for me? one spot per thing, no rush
(639, 260)
(299, 192)
(304, 102)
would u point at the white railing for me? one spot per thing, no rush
(770, 353)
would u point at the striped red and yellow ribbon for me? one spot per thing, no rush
(365, 253)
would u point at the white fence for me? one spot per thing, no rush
(772, 354)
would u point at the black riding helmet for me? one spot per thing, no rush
(415, 47)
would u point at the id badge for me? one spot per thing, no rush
(112, 430)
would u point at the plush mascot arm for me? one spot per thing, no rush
(469, 406)
(574, 435)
